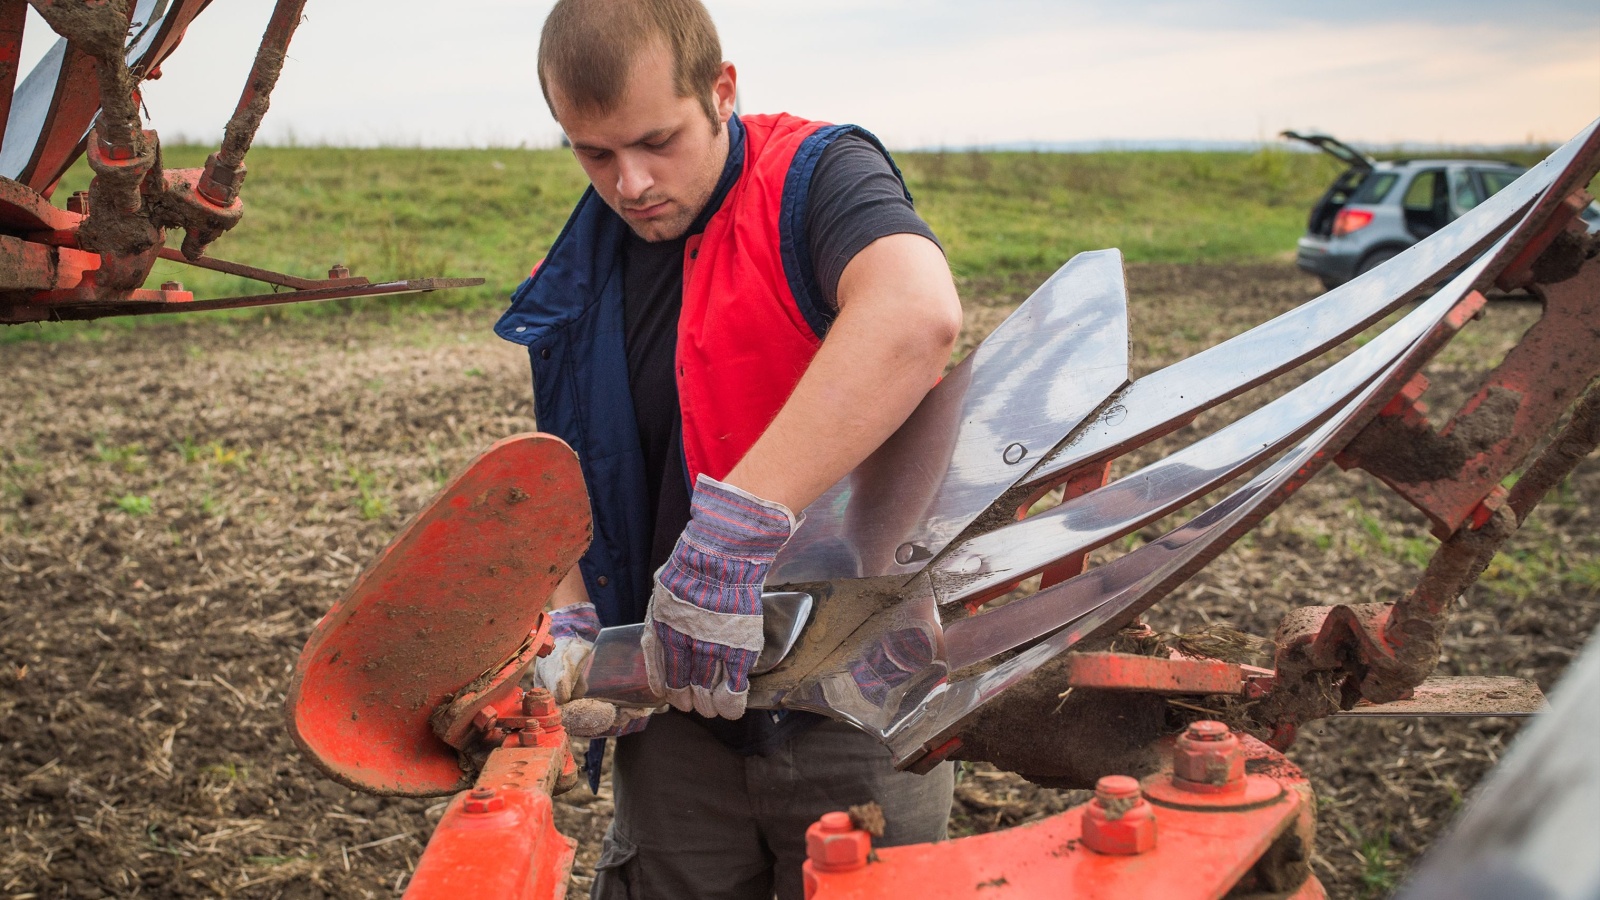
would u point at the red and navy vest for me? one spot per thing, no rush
(753, 317)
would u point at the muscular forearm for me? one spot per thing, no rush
(569, 591)
(897, 323)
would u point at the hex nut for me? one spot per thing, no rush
(1208, 759)
(835, 844)
(1119, 821)
(482, 801)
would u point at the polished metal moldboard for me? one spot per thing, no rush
(1256, 437)
(1045, 370)
(923, 703)
(1092, 599)
(1072, 610)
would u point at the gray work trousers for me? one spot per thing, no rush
(696, 820)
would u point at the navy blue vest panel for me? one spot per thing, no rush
(569, 314)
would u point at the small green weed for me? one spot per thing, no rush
(1378, 866)
(228, 771)
(135, 505)
(1413, 551)
(371, 504)
(130, 457)
(212, 452)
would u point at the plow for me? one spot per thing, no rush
(900, 606)
(941, 597)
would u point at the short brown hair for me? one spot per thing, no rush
(588, 47)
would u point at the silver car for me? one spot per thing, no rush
(1376, 209)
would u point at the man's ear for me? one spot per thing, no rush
(725, 91)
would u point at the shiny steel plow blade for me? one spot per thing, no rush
(1044, 371)
(893, 675)
(921, 703)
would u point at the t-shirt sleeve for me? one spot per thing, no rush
(855, 198)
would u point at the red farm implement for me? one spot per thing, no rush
(93, 258)
(411, 685)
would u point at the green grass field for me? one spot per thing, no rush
(405, 213)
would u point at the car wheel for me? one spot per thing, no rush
(1329, 282)
(1375, 259)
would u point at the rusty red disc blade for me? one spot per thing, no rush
(453, 595)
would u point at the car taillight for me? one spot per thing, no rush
(1349, 220)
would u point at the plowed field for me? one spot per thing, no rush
(180, 502)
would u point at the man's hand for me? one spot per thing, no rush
(703, 630)
(575, 629)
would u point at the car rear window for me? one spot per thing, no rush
(1375, 188)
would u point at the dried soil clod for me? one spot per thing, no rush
(869, 818)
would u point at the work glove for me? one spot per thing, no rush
(703, 629)
(575, 629)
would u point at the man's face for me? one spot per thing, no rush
(655, 158)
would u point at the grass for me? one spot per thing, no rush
(1378, 866)
(402, 213)
(135, 505)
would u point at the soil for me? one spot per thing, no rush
(179, 503)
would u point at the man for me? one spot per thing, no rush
(737, 313)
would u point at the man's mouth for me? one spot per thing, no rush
(645, 212)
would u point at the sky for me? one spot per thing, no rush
(929, 73)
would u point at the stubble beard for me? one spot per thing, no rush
(664, 228)
(676, 224)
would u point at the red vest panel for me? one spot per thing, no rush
(742, 340)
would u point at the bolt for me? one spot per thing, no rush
(172, 285)
(78, 203)
(483, 800)
(908, 553)
(338, 271)
(538, 702)
(485, 718)
(1208, 759)
(1119, 822)
(835, 844)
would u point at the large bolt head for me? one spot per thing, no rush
(1119, 821)
(1208, 758)
(483, 800)
(538, 702)
(834, 844)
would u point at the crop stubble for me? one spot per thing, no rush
(180, 502)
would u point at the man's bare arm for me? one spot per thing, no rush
(898, 321)
(569, 591)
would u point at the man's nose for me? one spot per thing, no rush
(633, 179)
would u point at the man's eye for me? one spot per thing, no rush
(595, 155)
(659, 145)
